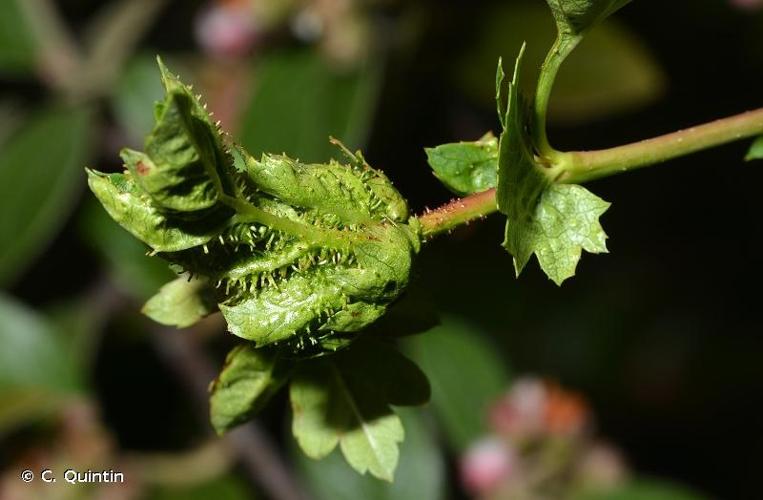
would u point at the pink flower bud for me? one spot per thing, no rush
(227, 30)
(520, 412)
(486, 464)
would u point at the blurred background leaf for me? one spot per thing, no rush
(125, 258)
(41, 174)
(136, 91)
(228, 487)
(35, 374)
(644, 489)
(610, 72)
(17, 44)
(466, 375)
(300, 99)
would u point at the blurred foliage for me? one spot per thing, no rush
(17, 43)
(299, 100)
(611, 72)
(37, 374)
(32, 212)
(466, 375)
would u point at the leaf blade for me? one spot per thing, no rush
(466, 167)
(248, 380)
(181, 302)
(346, 402)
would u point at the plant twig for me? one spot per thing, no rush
(584, 166)
(457, 212)
(577, 167)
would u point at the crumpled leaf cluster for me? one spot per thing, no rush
(291, 253)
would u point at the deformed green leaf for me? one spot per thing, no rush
(322, 300)
(245, 384)
(296, 253)
(466, 167)
(573, 17)
(185, 167)
(756, 150)
(130, 207)
(355, 195)
(553, 221)
(346, 401)
(181, 302)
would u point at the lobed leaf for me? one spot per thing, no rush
(564, 223)
(346, 401)
(420, 474)
(466, 167)
(553, 221)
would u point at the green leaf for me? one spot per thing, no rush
(300, 100)
(574, 17)
(39, 181)
(181, 302)
(185, 167)
(346, 401)
(564, 223)
(129, 206)
(331, 187)
(756, 150)
(248, 380)
(553, 221)
(467, 375)
(420, 474)
(466, 167)
(324, 300)
(18, 46)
